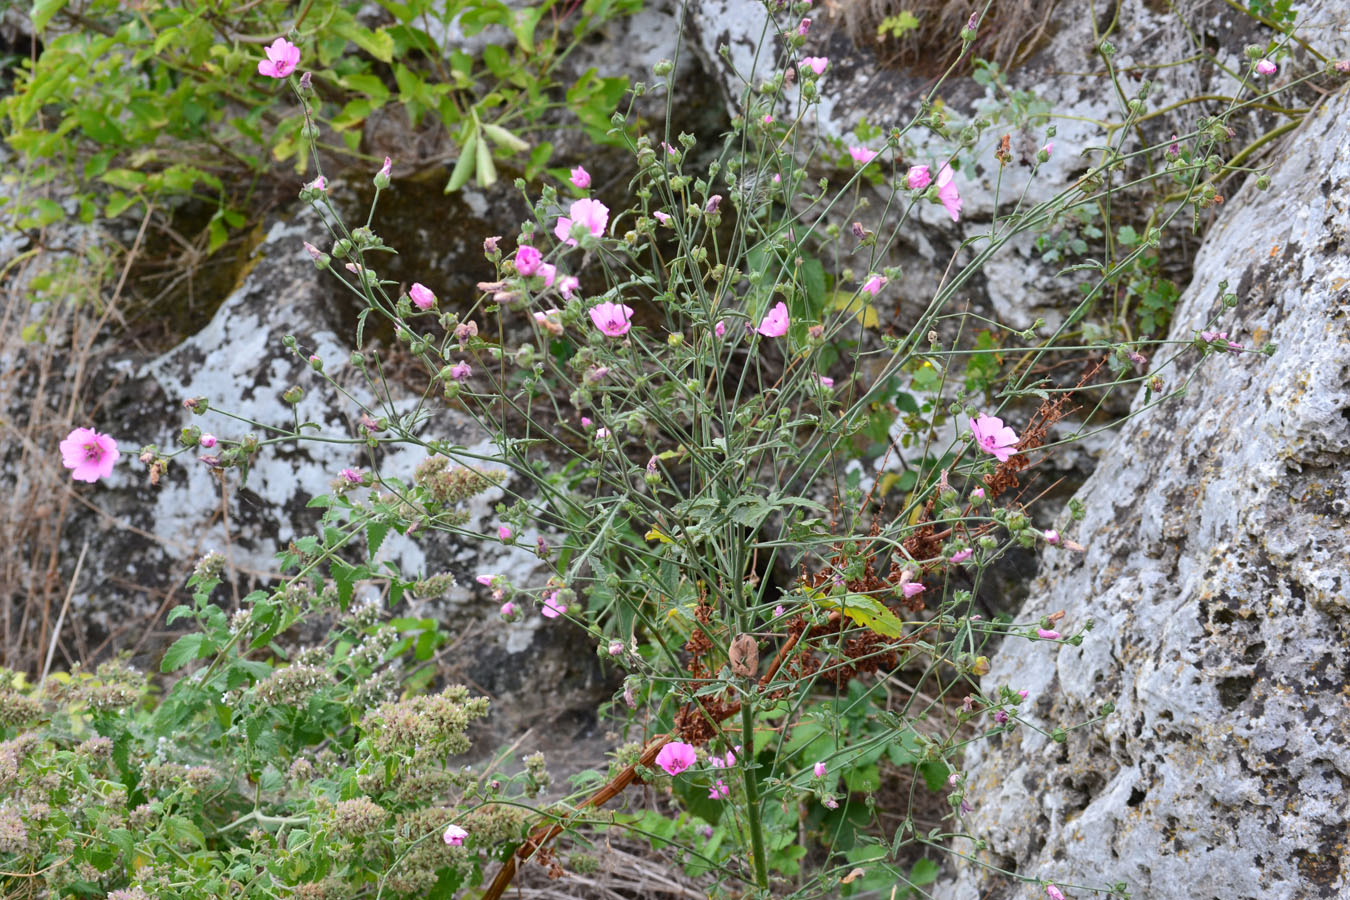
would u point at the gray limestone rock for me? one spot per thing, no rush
(1217, 575)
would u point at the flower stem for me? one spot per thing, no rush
(752, 793)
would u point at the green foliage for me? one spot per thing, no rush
(898, 25)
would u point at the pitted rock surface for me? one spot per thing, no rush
(1217, 575)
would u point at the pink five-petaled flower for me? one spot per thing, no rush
(947, 195)
(581, 178)
(1047, 634)
(91, 455)
(719, 791)
(553, 607)
(874, 285)
(613, 319)
(993, 436)
(422, 297)
(720, 329)
(1266, 67)
(918, 178)
(461, 371)
(961, 556)
(861, 155)
(818, 770)
(527, 260)
(282, 58)
(675, 757)
(591, 213)
(1053, 892)
(454, 835)
(816, 64)
(775, 324)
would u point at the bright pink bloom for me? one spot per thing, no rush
(581, 178)
(282, 58)
(977, 494)
(422, 298)
(675, 757)
(528, 259)
(553, 607)
(91, 455)
(613, 319)
(485, 580)
(720, 329)
(591, 213)
(461, 371)
(1053, 892)
(454, 835)
(768, 120)
(504, 532)
(1049, 146)
(825, 381)
(803, 27)
(1001, 717)
(1266, 67)
(947, 195)
(775, 324)
(318, 184)
(661, 217)
(718, 791)
(1051, 536)
(917, 178)
(994, 437)
(568, 285)
(874, 285)
(508, 609)
(779, 612)
(352, 476)
(1022, 694)
(961, 556)
(548, 272)
(861, 155)
(207, 440)
(1047, 634)
(818, 770)
(816, 64)
(912, 589)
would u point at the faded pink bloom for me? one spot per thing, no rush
(912, 589)
(918, 178)
(616, 648)
(825, 381)
(528, 259)
(601, 433)
(818, 770)
(485, 580)
(1174, 148)
(670, 151)
(661, 217)
(461, 371)
(89, 454)
(947, 195)
(713, 203)
(591, 213)
(314, 252)
(318, 184)
(568, 285)
(961, 556)
(1053, 892)
(351, 476)
(803, 27)
(613, 319)
(464, 331)
(1047, 634)
(1213, 335)
(829, 802)
(719, 791)
(1341, 65)
(548, 272)
(454, 835)
(207, 440)
(777, 179)
(1051, 536)
(720, 329)
(581, 178)
(421, 296)
(1023, 694)
(977, 494)
(779, 611)
(861, 155)
(1049, 146)
(1001, 717)
(504, 532)
(1266, 67)
(675, 757)
(282, 58)
(549, 320)
(994, 437)
(508, 609)
(386, 168)
(775, 324)
(553, 607)
(874, 285)
(816, 64)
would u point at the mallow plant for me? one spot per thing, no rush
(772, 517)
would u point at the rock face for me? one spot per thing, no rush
(1218, 577)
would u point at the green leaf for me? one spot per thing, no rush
(925, 871)
(375, 532)
(867, 612)
(184, 650)
(934, 774)
(378, 43)
(43, 10)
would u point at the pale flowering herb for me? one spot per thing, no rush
(613, 319)
(993, 437)
(947, 194)
(775, 323)
(282, 58)
(675, 757)
(861, 155)
(592, 214)
(454, 835)
(89, 455)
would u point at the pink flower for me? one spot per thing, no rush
(1047, 634)
(1049, 146)
(386, 168)
(461, 371)
(318, 184)
(1174, 148)
(1051, 536)
(818, 770)
(961, 556)
(351, 476)
(913, 589)
(1213, 335)
(613, 319)
(861, 155)
(454, 835)
(917, 178)
(713, 203)
(947, 195)
(422, 298)
(1001, 717)
(508, 609)
(548, 272)
(775, 324)
(993, 437)
(779, 612)
(718, 791)
(549, 320)
(1022, 694)
(581, 178)
(568, 285)
(1266, 67)
(528, 259)
(803, 27)
(552, 606)
(1053, 892)
(829, 802)
(282, 58)
(670, 151)
(504, 532)
(768, 120)
(91, 455)
(591, 213)
(720, 329)
(977, 494)
(874, 285)
(816, 64)
(675, 757)
(825, 381)
(586, 422)
(485, 580)
(207, 440)
(661, 217)
(616, 648)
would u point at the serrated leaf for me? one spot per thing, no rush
(183, 651)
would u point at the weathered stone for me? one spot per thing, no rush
(1217, 576)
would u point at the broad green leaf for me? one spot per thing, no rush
(867, 612)
(183, 651)
(43, 10)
